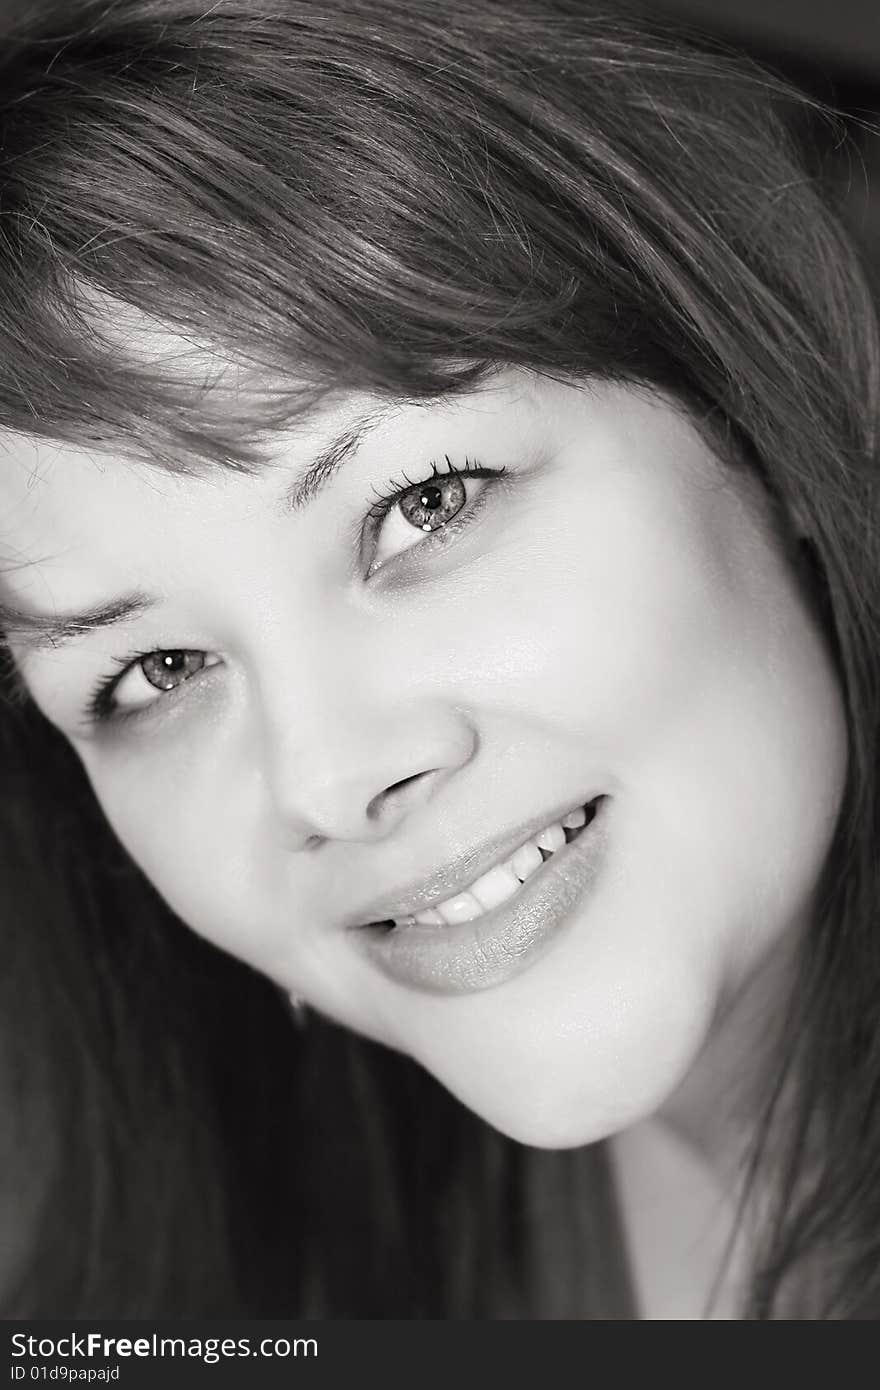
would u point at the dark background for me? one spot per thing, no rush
(829, 47)
(840, 36)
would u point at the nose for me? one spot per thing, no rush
(355, 774)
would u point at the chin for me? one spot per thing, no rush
(583, 1082)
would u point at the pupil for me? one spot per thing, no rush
(431, 497)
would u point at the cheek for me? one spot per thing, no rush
(190, 826)
(665, 642)
(613, 619)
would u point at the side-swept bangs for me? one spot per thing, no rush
(382, 198)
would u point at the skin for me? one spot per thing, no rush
(620, 616)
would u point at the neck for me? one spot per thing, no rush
(715, 1109)
(680, 1172)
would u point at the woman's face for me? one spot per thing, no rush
(350, 718)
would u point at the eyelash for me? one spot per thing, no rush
(398, 487)
(100, 708)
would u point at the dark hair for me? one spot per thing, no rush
(398, 198)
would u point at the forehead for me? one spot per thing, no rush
(81, 519)
(59, 485)
(66, 519)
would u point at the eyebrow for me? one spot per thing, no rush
(41, 632)
(341, 449)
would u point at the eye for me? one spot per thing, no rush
(145, 679)
(415, 511)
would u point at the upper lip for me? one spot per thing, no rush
(459, 873)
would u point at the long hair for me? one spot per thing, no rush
(395, 198)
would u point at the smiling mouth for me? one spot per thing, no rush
(503, 881)
(458, 944)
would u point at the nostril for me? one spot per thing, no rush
(406, 782)
(407, 790)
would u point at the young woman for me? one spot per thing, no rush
(439, 507)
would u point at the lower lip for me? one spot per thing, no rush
(476, 955)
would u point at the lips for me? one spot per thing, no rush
(471, 955)
(503, 880)
(461, 874)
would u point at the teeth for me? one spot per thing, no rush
(496, 886)
(526, 861)
(552, 838)
(502, 881)
(462, 908)
(430, 918)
